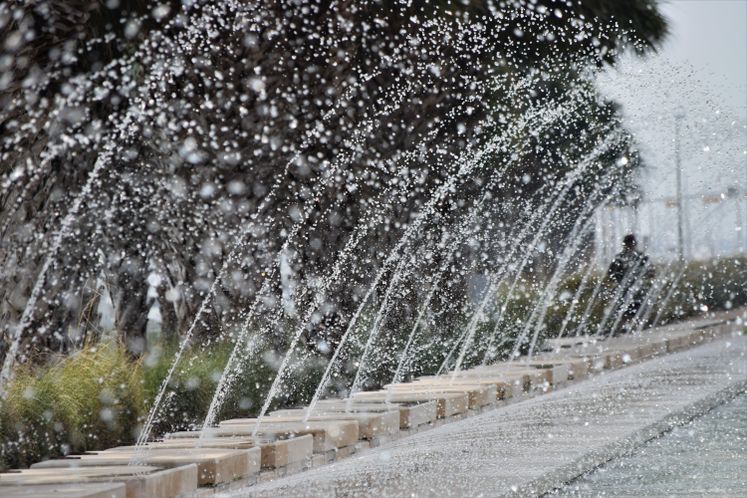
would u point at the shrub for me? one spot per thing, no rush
(88, 400)
(97, 398)
(708, 286)
(196, 378)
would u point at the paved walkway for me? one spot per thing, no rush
(537, 445)
(707, 457)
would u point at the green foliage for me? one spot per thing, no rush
(711, 285)
(194, 383)
(704, 286)
(191, 387)
(97, 397)
(91, 399)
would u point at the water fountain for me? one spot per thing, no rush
(321, 189)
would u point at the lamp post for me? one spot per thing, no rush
(744, 199)
(678, 117)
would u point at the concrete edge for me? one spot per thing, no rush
(596, 458)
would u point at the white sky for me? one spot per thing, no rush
(700, 70)
(712, 36)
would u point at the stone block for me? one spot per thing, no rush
(658, 347)
(417, 415)
(318, 460)
(344, 452)
(559, 372)
(327, 434)
(636, 347)
(580, 364)
(624, 354)
(214, 465)
(378, 441)
(675, 342)
(613, 359)
(517, 382)
(370, 424)
(78, 490)
(561, 344)
(410, 414)
(275, 452)
(295, 467)
(228, 443)
(728, 329)
(646, 349)
(699, 336)
(598, 363)
(552, 371)
(447, 403)
(478, 394)
(365, 445)
(140, 481)
(267, 475)
(579, 369)
(286, 452)
(330, 456)
(532, 378)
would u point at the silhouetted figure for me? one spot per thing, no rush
(627, 270)
(629, 260)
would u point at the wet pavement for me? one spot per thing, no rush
(707, 457)
(537, 445)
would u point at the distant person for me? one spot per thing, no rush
(626, 270)
(627, 261)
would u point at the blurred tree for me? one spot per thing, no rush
(207, 102)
